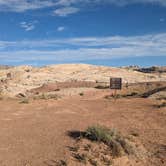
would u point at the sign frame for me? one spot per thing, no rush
(116, 83)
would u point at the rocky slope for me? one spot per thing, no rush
(22, 78)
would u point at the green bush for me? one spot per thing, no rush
(100, 133)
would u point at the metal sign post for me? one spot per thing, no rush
(115, 84)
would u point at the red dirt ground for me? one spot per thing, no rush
(34, 134)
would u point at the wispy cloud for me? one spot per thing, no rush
(28, 26)
(89, 48)
(65, 11)
(128, 2)
(24, 5)
(61, 28)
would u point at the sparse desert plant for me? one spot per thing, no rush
(112, 138)
(52, 96)
(117, 96)
(81, 94)
(100, 133)
(130, 94)
(24, 101)
(45, 96)
(101, 87)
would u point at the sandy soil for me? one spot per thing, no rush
(35, 134)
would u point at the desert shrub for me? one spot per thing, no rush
(45, 96)
(24, 101)
(117, 144)
(130, 94)
(101, 87)
(81, 94)
(112, 138)
(100, 133)
(52, 96)
(117, 96)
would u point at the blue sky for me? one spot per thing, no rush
(102, 32)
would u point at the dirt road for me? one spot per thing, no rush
(34, 134)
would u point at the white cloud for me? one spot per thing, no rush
(61, 28)
(24, 5)
(79, 49)
(28, 26)
(65, 11)
(128, 2)
(116, 2)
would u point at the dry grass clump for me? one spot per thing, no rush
(81, 94)
(99, 145)
(45, 96)
(102, 87)
(127, 95)
(112, 138)
(24, 101)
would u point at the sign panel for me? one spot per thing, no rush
(116, 83)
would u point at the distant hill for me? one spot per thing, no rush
(14, 80)
(3, 67)
(153, 69)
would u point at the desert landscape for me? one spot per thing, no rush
(66, 115)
